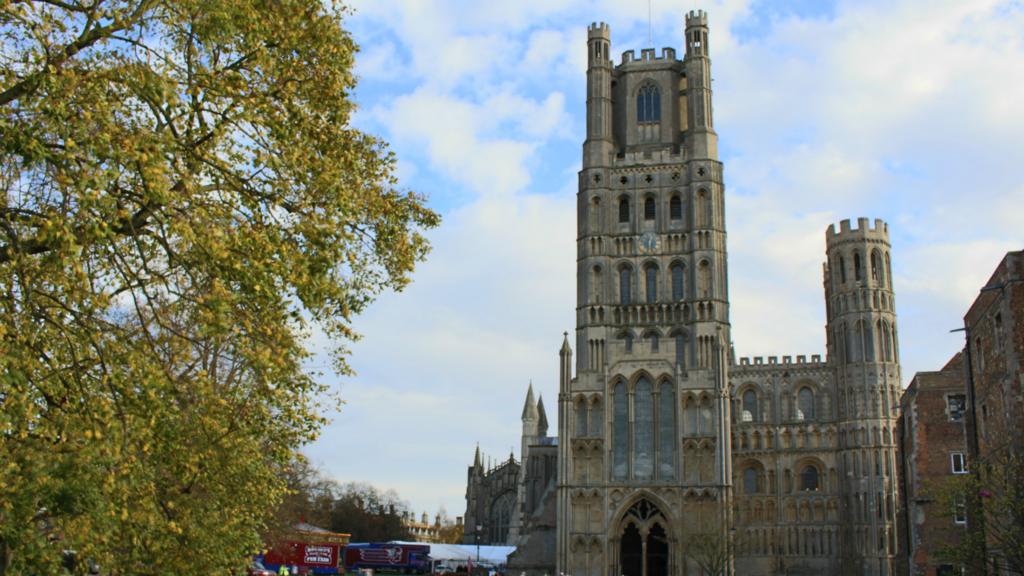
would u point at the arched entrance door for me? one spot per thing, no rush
(643, 541)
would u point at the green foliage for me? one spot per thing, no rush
(992, 497)
(182, 192)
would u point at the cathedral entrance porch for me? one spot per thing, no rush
(643, 544)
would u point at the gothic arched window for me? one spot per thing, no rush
(675, 208)
(623, 210)
(750, 481)
(649, 209)
(805, 404)
(648, 104)
(625, 284)
(857, 274)
(842, 270)
(809, 479)
(678, 293)
(651, 281)
(643, 438)
(681, 350)
(750, 407)
(620, 432)
(666, 431)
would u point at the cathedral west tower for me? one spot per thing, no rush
(674, 457)
(644, 424)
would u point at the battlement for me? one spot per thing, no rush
(648, 55)
(599, 30)
(864, 229)
(774, 360)
(696, 18)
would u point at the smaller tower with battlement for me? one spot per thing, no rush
(862, 347)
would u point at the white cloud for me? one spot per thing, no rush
(907, 111)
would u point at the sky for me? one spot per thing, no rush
(909, 111)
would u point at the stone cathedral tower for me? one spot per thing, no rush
(672, 453)
(862, 346)
(644, 425)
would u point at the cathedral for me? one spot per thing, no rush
(673, 456)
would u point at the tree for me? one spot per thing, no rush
(182, 195)
(368, 514)
(991, 499)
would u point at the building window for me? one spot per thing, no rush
(750, 481)
(649, 209)
(648, 104)
(625, 283)
(959, 463)
(805, 404)
(624, 210)
(678, 293)
(842, 270)
(681, 350)
(643, 438)
(959, 510)
(750, 406)
(675, 208)
(653, 338)
(620, 431)
(651, 277)
(628, 341)
(809, 479)
(857, 274)
(955, 406)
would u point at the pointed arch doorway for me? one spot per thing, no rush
(643, 541)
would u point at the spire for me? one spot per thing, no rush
(565, 344)
(476, 457)
(542, 425)
(530, 407)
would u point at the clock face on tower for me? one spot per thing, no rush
(648, 242)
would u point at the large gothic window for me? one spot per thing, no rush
(651, 281)
(649, 209)
(666, 431)
(648, 104)
(625, 285)
(643, 443)
(620, 432)
(623, 210)
(858, 275)
(750, 407)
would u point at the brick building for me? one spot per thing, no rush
(995, 419)
(932, 448)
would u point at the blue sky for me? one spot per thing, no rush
(909, 111)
